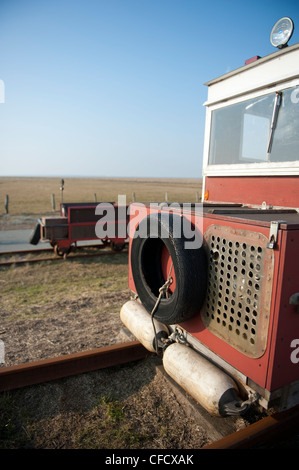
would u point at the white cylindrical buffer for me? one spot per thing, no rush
(216, 391)
(136, 318)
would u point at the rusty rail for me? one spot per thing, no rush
(72, 364)
(45, 249)
(268, 430)
(24, 252)
(59, 258)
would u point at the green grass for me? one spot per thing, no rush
(110, 427)
(25, 289)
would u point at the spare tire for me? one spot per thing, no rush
(188, 273)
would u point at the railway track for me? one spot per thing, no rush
(73, 364)
(262, 433)
(269, 430)
(257, 435)
(72, 255)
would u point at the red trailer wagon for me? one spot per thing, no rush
(79, 222)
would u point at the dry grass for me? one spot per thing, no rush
(61, 307)
(66, 307)
(71, 306)
(116, 408)
(33, 195)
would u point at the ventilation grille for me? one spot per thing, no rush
(238, 297)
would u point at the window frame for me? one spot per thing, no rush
(246, 169)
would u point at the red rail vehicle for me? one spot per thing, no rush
(77, 222)
(224, 312)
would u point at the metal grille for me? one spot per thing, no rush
(240, 279)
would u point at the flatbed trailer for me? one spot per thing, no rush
(77, 222)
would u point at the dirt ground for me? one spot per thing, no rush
(68, 306)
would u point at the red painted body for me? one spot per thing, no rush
(285, 316)
(281, 191)
(78, 222)
(249, 188)
(274, 368)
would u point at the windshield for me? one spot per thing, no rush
(263, 129)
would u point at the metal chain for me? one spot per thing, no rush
(162, 290)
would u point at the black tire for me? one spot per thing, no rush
(189, 265)
(61, 251)
(35, 235)
(116, 247)
(105, 243)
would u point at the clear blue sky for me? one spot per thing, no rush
(116, 87)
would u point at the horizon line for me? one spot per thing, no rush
(104, 177)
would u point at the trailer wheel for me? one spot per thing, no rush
(35, 235)
(105, 242)
(117, 246)
(61, 251)
(154, 258)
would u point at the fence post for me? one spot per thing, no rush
(95, 197)
(53, 201)
(61, 190)
(6, 203)
(133, 197)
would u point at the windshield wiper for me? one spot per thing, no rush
(277, 104)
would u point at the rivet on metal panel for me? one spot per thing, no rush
(294, 300)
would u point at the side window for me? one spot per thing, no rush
(285, 146)
(240, 133)
(255, 138)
